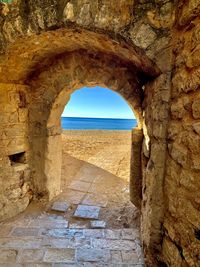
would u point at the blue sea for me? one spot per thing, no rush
(69, 123)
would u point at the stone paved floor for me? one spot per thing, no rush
(44, 237)
(51, 243)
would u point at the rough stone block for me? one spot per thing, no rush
(113, 244)
(59, 255)
(20, 231)
(8, 255)
(80, 186)
(130, 257)
(60, 206)
(93, 255)
(116, 256)
(98, 224)
(87, 212)
(30, 255)
(112, 234)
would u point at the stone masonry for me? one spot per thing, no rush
(148, 51)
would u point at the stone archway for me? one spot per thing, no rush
(43, 80)
(53, 87)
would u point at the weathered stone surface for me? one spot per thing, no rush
(30, 255)
(143, 35)
(8, 256)
(45, 44)
(87, 212)
(59, 255)
(93, 255)
(98, 224)
(196, 108)
(25, 232)
(60, 206)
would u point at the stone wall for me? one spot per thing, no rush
(137, 48)
(181, 242)
(15, 184)
(50, 93)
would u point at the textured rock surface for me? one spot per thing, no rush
(51, 48)
(182, 219)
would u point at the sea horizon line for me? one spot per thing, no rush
(98, 118)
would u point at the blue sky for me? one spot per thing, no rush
(97, 102)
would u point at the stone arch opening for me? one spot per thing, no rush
(62, 61)
(68, 73)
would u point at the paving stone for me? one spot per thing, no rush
(39, 265)
(30, 255)
(21, 231)
(112, 234)
(80, 186)
(78, 225)
(8, 255)
(95, 233)
(130, 257)
(60, 206)
(87, 212)
(96, 200)
(116, 256)
(93, 255)
(65, 265)
(72, 242)
(98, 224)
(26, 242)
(113, 244)
(49, 224)
(59, 255)
(87, 178)
(130, 234)
(51, 217)
(73, 196)
(11, 265)
(19, 222)
(5, 230)
(62, 232)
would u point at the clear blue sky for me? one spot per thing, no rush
(97, 102)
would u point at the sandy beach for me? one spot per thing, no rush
(95, 171)
(109, 150)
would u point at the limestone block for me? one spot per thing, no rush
(68, 13)
(195, 162)
(185, 82)
(177, 109)
(84, 17)
(196, 108)
(136, 169)
(143, 35)
(11, 209)
(13, 194)
(193, 59)
(189, 11)
(171, 253)
(158, 155)
(196, 127)
(180, 154)
(159, 130)
(188, 180)
(192, 141)
(174, 129)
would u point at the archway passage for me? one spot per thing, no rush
(96, 151)
(50, 79)
(51, 91)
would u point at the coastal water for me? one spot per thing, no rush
(69, 123)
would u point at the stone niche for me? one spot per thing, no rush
(148, 51)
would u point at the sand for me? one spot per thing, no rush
(109, 150)
(95, 171)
